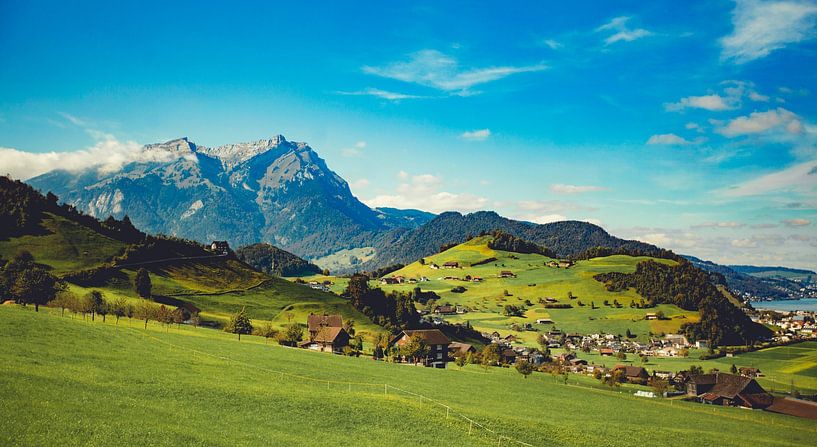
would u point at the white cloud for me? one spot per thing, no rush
(434, 69)
(552, 44)
(744, 243)
(761, 27)
(383, 94)
(423, 192)
(668, 139)
(707, 102)
(759, 122)
(755, 96)
(545, 218)
(359, 183)
(560, 188)
(621, 32)
(801, 177)
(355, 150)
(108, 155)
(476, 135)
(797, 222)
(726, 224)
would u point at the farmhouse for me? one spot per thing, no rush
(388, 281)
(544, 321)
(565, 264)
(507, 274)
(651, 316)
(445, 310)
(793, 407)
(315, 322)
(729, 390)
(750, 372)
(328, 339)
(606, 351)
(435, 340)
(451, 265)
(457, 349)
(633, 374)
(220, 247)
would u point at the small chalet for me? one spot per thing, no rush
(794, 407)
(544, 321)
(316, 322)
(508, 356)
(651, 316)
(606, 351)
(220, 247)
(445, 310)
(729, 390)
(436, 341)
(750, 372)
(565, 264)
(451, 265)
(389, 281)
(457, 349)
(633, 374)
(507, 274)
(328, 339)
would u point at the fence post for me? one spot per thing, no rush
(446, 412)
(386, 388)
(470, 426)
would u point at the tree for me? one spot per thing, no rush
(629, 334)
(195, 320)
(490, 355)
(349, 327)
(121, 308)
(460, 361)
(695, 369)
(293, 333)
(325, 272)
(524, 367)
(178, 317)
(64, 299)
(267, 331)
(660, 386)
(733, 369)
(415, 349)
(95, 302)
(164, 316)
(239, 324)
(33, 285)
(142, 283)
(621, 355)
(144, 311)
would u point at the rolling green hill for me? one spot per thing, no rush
(486, 300)
(104, 256)
(65, 381)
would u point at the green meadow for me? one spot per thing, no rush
(68, 381)
(534, 280)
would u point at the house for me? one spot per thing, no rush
(434, 339)
(633, 374)
(510, 338)
(451, 265)
(506, 274)
(666, 375)
(606, 351)
(794, 407)
(565, 264)
(544, 321)
(651, 316)
(388, 281)
(316, 322)
(551, 300)
(220, 247)
(553, 264)
(434, 266)
(566, 357)
(676, 340)
(750, 372)
(328, 339)
(729, 390)
(457, 349)
(702, 344)
(508, 356)
(445, 310)
(476, 279)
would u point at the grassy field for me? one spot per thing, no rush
(66, 247)
(66, 381)
(534, 280)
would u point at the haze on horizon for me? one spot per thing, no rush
(689, 126)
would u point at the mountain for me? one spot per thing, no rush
(275, 261)
(272, 191)
(775, 272)
(563, 239)
(397, 218)
(749, 286)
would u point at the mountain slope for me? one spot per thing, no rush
(92, 255)
(563, 239)
(273, 191)
(749, 286)
(275, 261)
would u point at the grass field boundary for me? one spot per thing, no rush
(449, 411)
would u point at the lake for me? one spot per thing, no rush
(790, 305)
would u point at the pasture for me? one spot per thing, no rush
(66, 381)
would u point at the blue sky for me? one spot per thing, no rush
(686, 124)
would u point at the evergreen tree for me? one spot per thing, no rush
(239, 324)
(142, 283)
